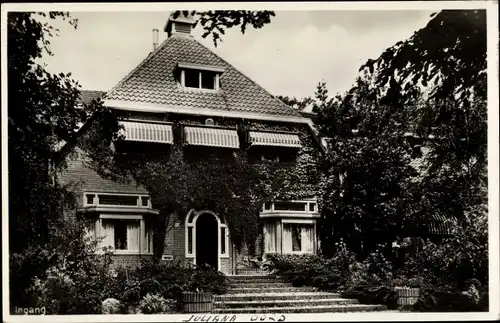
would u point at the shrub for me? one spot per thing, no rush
(79, 279)
(155, 303)
(81, 294)
(378, 265)
(111, 306)
(452, 300)
(170, 279)
(372, 292)
(311, 270)
(23, 268)
(206, 279)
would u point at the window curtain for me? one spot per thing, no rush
(270, 237)
(133, 235)
(296, 238)
(149, 238)
(287, 238)
(307, 239)
(108, 234)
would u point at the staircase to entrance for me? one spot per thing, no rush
(262, 293)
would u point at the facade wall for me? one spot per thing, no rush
(175, 239)
(80, 178)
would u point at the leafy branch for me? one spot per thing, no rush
(216, 22)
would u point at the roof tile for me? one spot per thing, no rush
(86, 96)
(153, 82)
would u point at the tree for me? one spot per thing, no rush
(368, 186)
(298, 104)
(448, 56)
(447, 61)
(41, 113)
(41, 117)
(216, 22)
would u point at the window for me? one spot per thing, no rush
(117, 200)
(191, 78)
(199, 79)
(298, 238)
(122, 235)
(90, 198)
(208, 80)
(290, 206)
(190, 240)
(149, 238)
(222, 240)
(267, 206)
(312, 207)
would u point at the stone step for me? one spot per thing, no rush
(270, 290)
(251, 277)
(252, 284)
(286, 303)
(251, 272)
(304, 309)
(256, 281)
(275, 296)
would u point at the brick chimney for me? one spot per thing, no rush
(180, 25)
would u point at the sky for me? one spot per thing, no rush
(289, 56)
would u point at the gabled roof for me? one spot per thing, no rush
(152, 82)
(86, 96)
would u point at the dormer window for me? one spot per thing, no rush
(199, 77)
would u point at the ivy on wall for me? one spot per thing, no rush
(228, 182)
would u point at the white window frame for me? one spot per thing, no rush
(192, 224)
(304, 214)
(200, 88)
(311, 222)
(96, 200)
(143, 243)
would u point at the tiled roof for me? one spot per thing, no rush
(87, 96)
(153, 82)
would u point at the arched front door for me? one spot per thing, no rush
(207, 237)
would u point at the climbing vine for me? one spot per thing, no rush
(228, 182)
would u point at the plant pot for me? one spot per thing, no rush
(407, 296)
(197, 302)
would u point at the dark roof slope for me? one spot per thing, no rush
(153, 82)
(86, 96)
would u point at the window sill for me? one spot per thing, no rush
(299, 253)
(127, 253)
(198, 90)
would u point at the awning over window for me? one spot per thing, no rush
(147, 132)
(441, 225)
(212, 137)
(274, 139)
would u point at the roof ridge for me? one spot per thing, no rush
(141, 64)
(246, 76)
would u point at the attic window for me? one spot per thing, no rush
(197, 79)
(199, 76)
